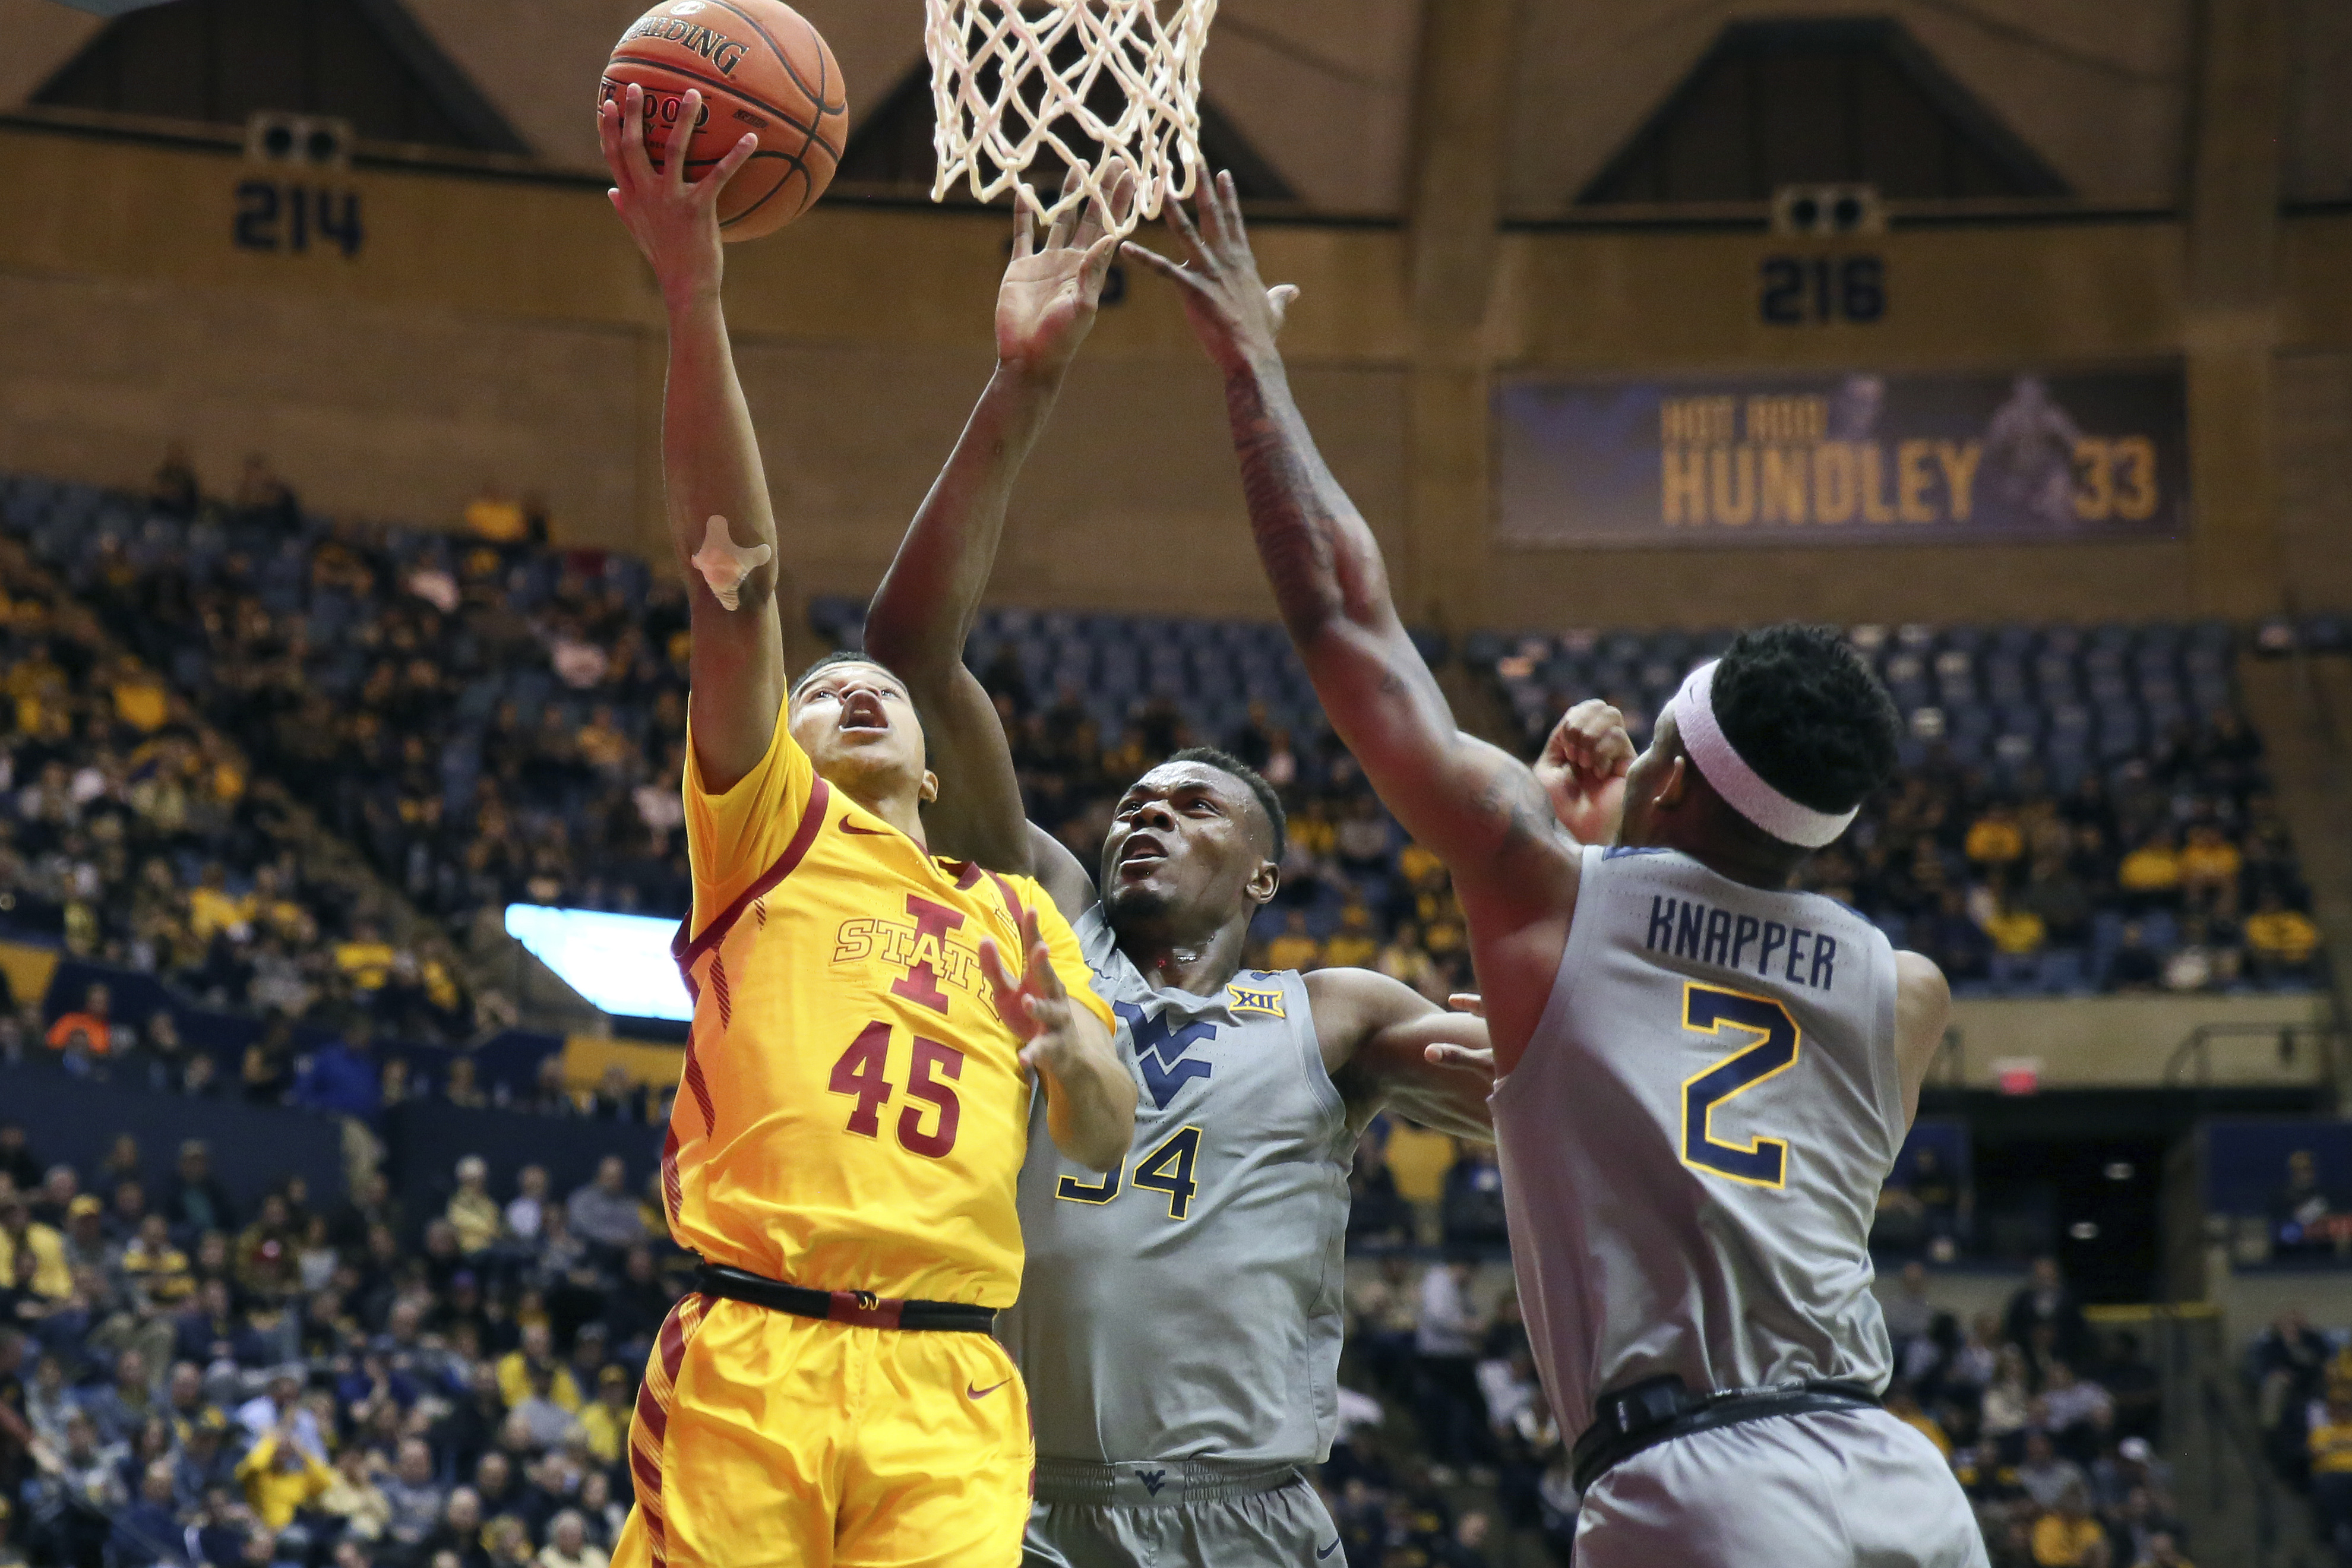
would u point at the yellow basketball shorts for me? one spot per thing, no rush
(766, 1441)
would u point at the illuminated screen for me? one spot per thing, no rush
(620, 963)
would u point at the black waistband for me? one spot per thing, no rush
(856, 1307)
(1646, 1413)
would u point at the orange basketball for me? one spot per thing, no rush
(759, 68)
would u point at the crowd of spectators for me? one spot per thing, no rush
(2118, 833)
(490, 720)
(407, 1379)
(494, 720)
(2301, 1380)
(2049, 1428)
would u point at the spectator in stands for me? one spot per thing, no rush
(94, 1021)
(194, 1201)
(472, 1212)
(74, 1503)
(1378, 1214)
(2078, 1410)
(1445, 1342)
(1471, 1208)
(2150, 875)
(21, 1236)
(2134, 966)
(2046, 1475)
(2280, 941)
(2301, 1208)
(264, 500)
(2046, 1300)
(2067, 1536)
(2330, 1449)
(1295, 947)
(602, 1212)
(174, 492)
(496, 517)
(344, 1079)
(18, 1165)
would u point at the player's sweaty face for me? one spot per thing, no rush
(858, 719)
(1184, 837)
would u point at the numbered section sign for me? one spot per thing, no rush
(1852, 458)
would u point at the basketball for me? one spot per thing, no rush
(761, 68)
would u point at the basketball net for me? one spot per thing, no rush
(1050, 57)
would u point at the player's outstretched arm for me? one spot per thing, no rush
(1089, 1094)
(923, 612)
(1923, 1005)
(1478, 808)
(715, 491)
(1387, 1046)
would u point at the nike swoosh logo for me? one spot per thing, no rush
(1327, 1550)
(850, 826)
(983, 1393)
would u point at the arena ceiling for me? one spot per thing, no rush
(1324, 90)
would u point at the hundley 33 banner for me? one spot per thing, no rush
(1843, 459)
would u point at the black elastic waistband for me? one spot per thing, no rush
(1658, 1409)
(856, 1307)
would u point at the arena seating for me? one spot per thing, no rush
(500, 722)
(2081, 809)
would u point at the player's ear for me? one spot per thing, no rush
(1671, 792)
(930, 790)
(1264, 883)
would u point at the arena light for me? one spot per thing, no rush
(621, 964)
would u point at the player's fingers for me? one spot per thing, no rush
(991, 964)
(1279, 299)
(1098, 265)
(1145, 257)
(608, 133)
(1469, 1001)
(1122, 201)
(637, 165)
(1180, 224)
(681, 139)
(1025, 239)
(1058, 237)
(1445, 1054)
(724, 170)
(1229, 211)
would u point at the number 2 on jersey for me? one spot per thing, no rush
(1707, 1010)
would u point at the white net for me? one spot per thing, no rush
(1103, 85)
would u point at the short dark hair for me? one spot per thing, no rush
(1807, 712)
(1268, 800)
(845, 656)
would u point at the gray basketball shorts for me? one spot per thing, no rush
(1177, 1516)
(1831, 1489)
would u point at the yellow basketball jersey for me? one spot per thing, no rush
(851, 1114)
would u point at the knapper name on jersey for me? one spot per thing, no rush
(1687, 927)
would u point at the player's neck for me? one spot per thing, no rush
(1198, 964)
(1768, 867)
(902, 809)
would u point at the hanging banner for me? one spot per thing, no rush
(1843, 459)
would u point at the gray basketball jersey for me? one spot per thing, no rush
(1693, 1145)
(1189, 1307)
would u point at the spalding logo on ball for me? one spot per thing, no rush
(759, 68)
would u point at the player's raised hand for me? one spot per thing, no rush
(1582, 769)
(673, 220)
(1052, 291)
(1236, 317)
(1033, 1003)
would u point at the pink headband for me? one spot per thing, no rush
(1791, 822)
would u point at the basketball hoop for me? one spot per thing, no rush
(1013, 80)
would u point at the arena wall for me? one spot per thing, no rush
(502, 328)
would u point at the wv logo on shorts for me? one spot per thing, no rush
(1161, 1051)
(1152, 1480)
